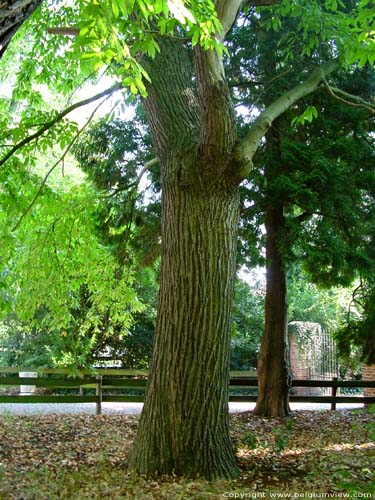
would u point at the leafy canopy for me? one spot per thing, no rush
(114, 37)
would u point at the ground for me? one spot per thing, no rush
(84, 457)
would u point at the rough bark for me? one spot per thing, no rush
(13, 13)
(273, 364)
(184, 426)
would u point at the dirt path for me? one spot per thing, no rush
(132, 408)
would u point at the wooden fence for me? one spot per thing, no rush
(133, 382)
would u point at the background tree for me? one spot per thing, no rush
(248, 317)
(355, 338)
(114, 155)
(59, 278)
(309, 211)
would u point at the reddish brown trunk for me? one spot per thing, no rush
(273, 364)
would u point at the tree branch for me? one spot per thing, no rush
(146, 167)
(228, 10)
(350, 99)
(135, 184)
(44, 181)
(262, 124)
(47, 126)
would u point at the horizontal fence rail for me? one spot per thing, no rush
(99, 381)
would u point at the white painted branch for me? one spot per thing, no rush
(227, 12)
(252, 140)
(145, 168)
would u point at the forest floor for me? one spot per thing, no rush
(312, 454)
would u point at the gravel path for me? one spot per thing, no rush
(132, 408)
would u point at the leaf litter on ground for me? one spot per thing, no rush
(84, 457)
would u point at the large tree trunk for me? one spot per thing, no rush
(273, 364)
(13, 13)
(184, 426)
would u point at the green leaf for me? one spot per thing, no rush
(195, 37)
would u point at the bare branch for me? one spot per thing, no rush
(351, 100)
(262, 124)
(47, 126)
(135, 184)
(61, 159)
(146, 167)
(228, 10)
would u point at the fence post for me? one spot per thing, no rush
(334, 393)
(98, 394)
(27, 389)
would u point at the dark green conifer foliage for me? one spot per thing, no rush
(315, 170)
